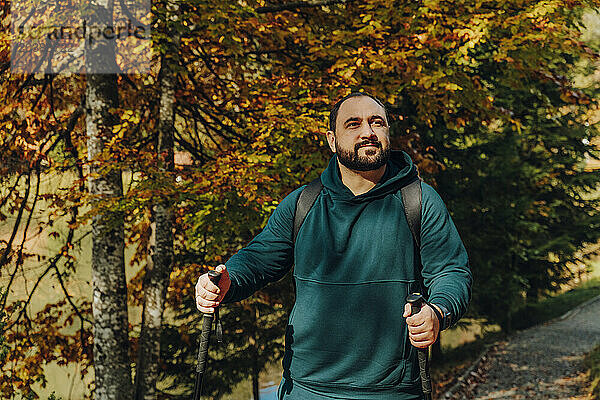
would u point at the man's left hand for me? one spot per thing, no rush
(423, 327)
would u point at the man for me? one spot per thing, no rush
(354, 266)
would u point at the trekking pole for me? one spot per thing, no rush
(207, 322)
(416, 301)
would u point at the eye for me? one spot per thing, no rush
(378, 122)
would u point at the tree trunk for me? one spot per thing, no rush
(158, 271)
(109, 305)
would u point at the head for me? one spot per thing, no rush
(359, 132)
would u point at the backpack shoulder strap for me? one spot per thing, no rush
(411, 198)
(305, 201)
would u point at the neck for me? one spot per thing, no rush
(360, 182)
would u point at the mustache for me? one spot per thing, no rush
(367, 143)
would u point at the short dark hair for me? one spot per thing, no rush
(336, 107)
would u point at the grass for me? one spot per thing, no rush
(592, 362)
(553, 307)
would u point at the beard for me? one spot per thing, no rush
(373, 159)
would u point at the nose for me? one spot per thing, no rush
(367, 133)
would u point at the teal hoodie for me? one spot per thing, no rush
(354, 266)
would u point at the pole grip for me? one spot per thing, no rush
(204, 340)
(214, 276)
(207, 321)
(416, 301)
(424, 372)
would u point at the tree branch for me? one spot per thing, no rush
(298, 5)
(5, 255)
(200, 155)
(31, 210)
(68, 296)
(197, 113)
(5, 199)
(47, 79)
(66, 136)
(54, 260)
(52, 265)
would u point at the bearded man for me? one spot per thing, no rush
(351, 334)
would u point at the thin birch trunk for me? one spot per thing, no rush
(158, 271)
(109, 306)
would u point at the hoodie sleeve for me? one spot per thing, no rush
(446, 272)
(268, 257)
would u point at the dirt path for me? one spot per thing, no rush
(543, 362)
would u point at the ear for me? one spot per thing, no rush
(331, 140)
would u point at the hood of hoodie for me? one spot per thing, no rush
(399, 172)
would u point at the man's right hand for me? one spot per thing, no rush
(208, 295)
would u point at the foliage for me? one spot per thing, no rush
(592, 362)
(3, 347)
(555, 306)
(530, 203)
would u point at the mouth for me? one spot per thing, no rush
(376, 145)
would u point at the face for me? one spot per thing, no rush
(361, 140)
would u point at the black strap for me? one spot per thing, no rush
(305, 201)
(411, 197)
